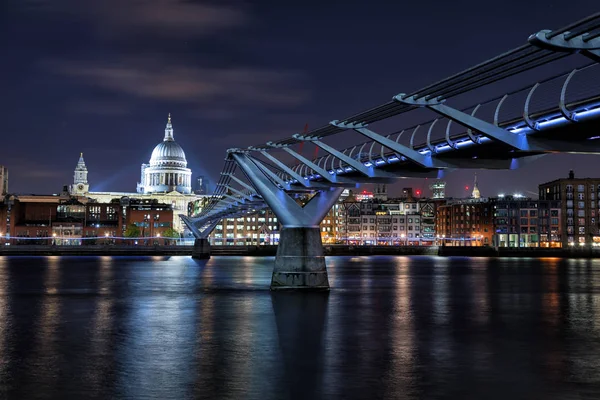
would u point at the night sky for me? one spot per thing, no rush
(100, 77)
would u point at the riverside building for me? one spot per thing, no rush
(579, 208)
(523, 222)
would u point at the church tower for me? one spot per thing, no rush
(80, 184)
(475, 194)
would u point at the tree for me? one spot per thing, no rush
(132, 231)
(170, 233)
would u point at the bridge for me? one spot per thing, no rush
(557, 113)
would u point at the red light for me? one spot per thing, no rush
(466, 188)
(418, 192)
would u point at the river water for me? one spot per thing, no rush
(391, 327)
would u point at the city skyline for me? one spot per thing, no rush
(228, 81)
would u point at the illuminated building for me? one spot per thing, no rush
(80, 184)
(523, 222)
(579, 208)
(167, 170)
(66, 220)
(364, 195)
(475, 194)
(405, 221)
(465, 222)
(165, 179)
(438, 189)
(3, 180)
(253, 229)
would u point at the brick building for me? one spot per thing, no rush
(465, 222)
(579, 208)
(65, 220)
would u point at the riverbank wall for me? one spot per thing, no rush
(266, 251)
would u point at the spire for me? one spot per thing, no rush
(81, 163)
(169, 130)
(475, 194)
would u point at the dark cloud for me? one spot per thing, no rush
(114, 18)
(168, 80)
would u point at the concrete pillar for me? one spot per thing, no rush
(201, 249)
(300, 263)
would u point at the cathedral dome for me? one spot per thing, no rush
(168, 152)
(167, 170)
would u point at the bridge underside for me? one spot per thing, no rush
(571, 127)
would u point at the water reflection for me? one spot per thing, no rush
(392, 327)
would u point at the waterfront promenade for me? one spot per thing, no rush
(270, 250)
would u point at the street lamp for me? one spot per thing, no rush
(403, 236)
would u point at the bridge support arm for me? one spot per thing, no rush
(370, 172)
(490, 130)
(300, 262)
(201, 231)
(410, 154)
(240, 193)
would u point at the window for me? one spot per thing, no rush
(580, 188)
(554, 221)
(580, 204)
(581, 221)
(579, 196)
(581, 213)
(523, 213)
(569, 203)
(523, 221)
(582, 230)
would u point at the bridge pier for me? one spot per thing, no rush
(201, 249)
(300, 263)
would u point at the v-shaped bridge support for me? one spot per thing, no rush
(300, 263)
(201, 228)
